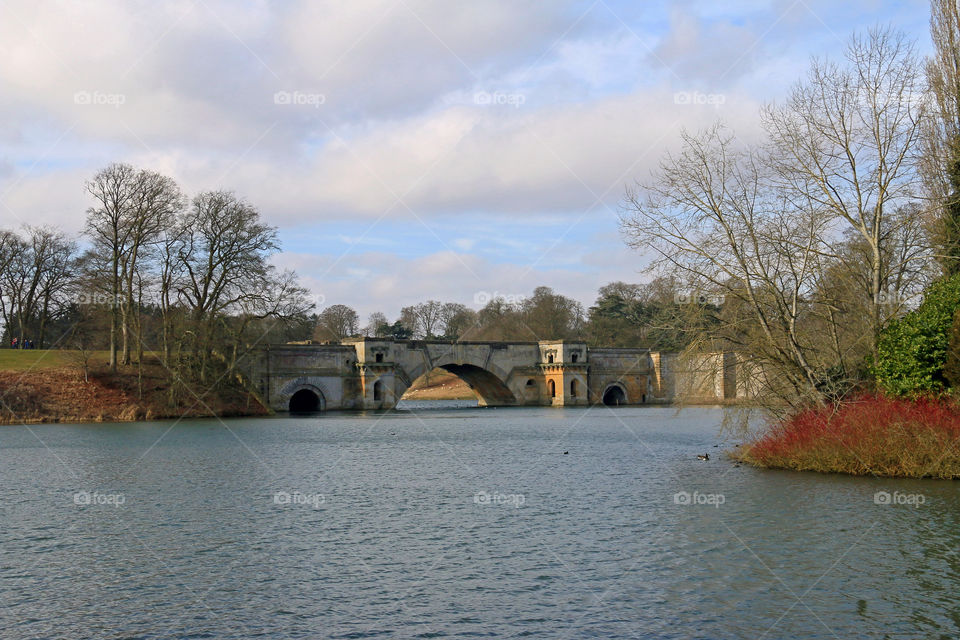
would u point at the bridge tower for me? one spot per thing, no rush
(376, 370)
(564, 367)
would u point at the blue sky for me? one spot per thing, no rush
(406, 149)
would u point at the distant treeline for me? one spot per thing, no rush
(659, 314)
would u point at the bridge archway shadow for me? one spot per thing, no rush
(614, 396)
(305, 401)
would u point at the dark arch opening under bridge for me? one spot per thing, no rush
(614, 396)
(305, 401)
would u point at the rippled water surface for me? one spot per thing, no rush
(458, 522)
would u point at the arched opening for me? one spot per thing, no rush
(378, 391)
(550, 359)
(614, 396)
(304, 401)
(464, 384)
(552, 386)
(378, 357)
(573, 388)
(531, 392)
(573, 357)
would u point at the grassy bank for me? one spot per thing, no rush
(32, 359)
(872, 435)
(50, 386)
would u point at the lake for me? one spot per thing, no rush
(450, 522)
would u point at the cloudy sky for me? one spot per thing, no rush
(406, 149)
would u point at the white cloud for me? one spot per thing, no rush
(188, 89)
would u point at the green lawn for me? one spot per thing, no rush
(24, 359)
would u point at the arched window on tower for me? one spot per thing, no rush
(553, 388)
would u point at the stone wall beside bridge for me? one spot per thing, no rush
(374, 373)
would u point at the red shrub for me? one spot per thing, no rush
(869, 435)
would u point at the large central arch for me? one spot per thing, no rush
(490, 390)
(485, 380)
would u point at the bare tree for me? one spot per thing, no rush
(499, 320)
(457, 320)
(133, 208)
(713, 225)
(54, 262)
(940, 158)
(113, 190)
(551, 316)
(11, 249)
(764, 228)
(426, 319)
(337, 322)
(34, 279)
(844, 143)
(224, 255)
(170, 248)
(279, 298)
(155, 202)
(376, 324)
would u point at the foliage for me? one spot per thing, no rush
(657, 315)
(397, 331)
(912, 350)
(951, 367)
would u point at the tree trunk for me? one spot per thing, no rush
(114, 304)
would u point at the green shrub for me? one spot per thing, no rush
(951, 369)
(912, 351)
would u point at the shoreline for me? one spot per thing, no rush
(61, 395)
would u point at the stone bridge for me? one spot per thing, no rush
(374, 373)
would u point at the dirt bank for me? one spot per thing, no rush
(439, 385)
(60, 394)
